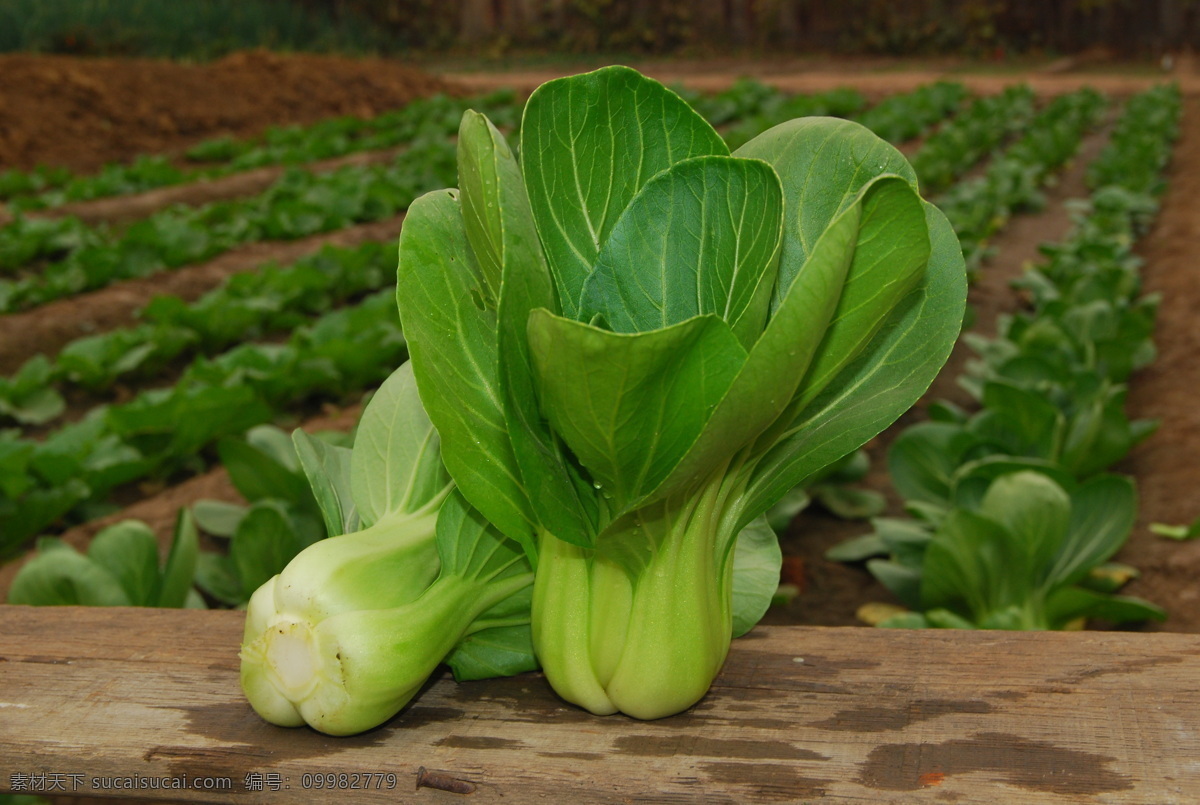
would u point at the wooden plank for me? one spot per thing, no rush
(798, 714)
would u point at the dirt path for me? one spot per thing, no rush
(1016, 246)
(49, 328)
(1167, 465)
(792, 79)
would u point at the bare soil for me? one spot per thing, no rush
(83, 113)
(1167, 465)
(871, 78)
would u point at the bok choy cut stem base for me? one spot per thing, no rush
(355, 661)
(355, 624)
(383, 567)
(352, 671)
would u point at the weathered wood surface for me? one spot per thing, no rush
(798, 714)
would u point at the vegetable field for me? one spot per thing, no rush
(174, 305)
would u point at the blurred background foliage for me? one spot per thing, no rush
(209, 28)
(196, 29)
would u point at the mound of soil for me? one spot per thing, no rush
(82, 113)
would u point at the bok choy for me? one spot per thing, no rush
(1024, 551)
(632, 343)
(356, 623)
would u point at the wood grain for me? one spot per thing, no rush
(799, 714)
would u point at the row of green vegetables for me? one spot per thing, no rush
(963, 140)
(248, 306)
(979, 207)
(896, 118)
(1013, 519)
(75, 468)
(301, 203)
(284, 503)
(121, 566)
(253, 305)
(38, 488)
